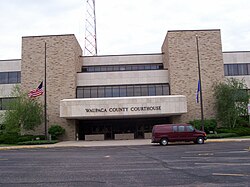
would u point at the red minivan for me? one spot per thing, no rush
(177, 132)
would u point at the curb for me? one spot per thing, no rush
(97, 144)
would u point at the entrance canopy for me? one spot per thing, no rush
(123, 107)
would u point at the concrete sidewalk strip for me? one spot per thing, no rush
(106, 143)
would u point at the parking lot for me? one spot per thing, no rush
(187, 164)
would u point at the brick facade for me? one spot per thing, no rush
(180, 57)
(63, 62)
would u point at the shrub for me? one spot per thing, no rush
(9, 138)
(209, 124)
(25, 138)
(222, 135)
(37, 142)
(55, 131)
(240, 131)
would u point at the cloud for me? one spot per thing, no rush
(131, 26)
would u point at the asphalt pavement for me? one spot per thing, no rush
(224, 164)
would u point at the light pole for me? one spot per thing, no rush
(45, 94)
(200, 83)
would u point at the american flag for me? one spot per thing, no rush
(36, 92)
(198, 91)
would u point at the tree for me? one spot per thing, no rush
(23, 113)
(55, 131)
(231, 99)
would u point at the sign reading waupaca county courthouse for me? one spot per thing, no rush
(133, 106)
(123, 109)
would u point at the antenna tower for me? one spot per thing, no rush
(90, 29)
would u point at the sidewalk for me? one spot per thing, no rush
(107, 143)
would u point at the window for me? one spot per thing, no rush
(127, 67)
(4, 78)
(242, 69)
(4, 103)
(110, 68)
(19, 77)
(236, 69)
(158, 89)
(137, 90)
(122, 68)
(189, 128)
(165, 89)
(103, 68)
(97, 69)
(101, 91)
(93, 92)
(144, 90)
(91, 69)
(86, 93)
(130, 91)
(10, 77)
(181, 128)
(79, 93)
(174, 128)
(122, 91)
(151, 90)
(226, 70)
(108, 91)
(116, 92)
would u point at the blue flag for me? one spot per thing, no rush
(198, 92)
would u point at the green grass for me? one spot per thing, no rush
(241, 137)
(4, 145)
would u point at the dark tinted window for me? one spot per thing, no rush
(4, 78)
(86, 93)
(130, 91)
(108, 91)
(236, 69)
(122, 91)
(93, 92)
(79, 92)
(101, 91)
(10, 77)
(116, 92)
(151, 90)
(5, 103)
(127, 67)
(137, 91)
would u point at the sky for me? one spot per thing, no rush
(123, 26)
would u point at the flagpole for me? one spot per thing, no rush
(45, 95)
(199, 70)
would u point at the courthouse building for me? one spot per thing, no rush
(122, 96)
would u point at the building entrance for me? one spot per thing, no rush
(109, 129)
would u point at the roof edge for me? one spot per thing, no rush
(199, 30)
(123, 55)
(48, 35)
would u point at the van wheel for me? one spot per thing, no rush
(164, 141)
(200, 140)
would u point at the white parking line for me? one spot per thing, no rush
(3, 159)
(234, 152)
(231, 174)
(226, 164)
